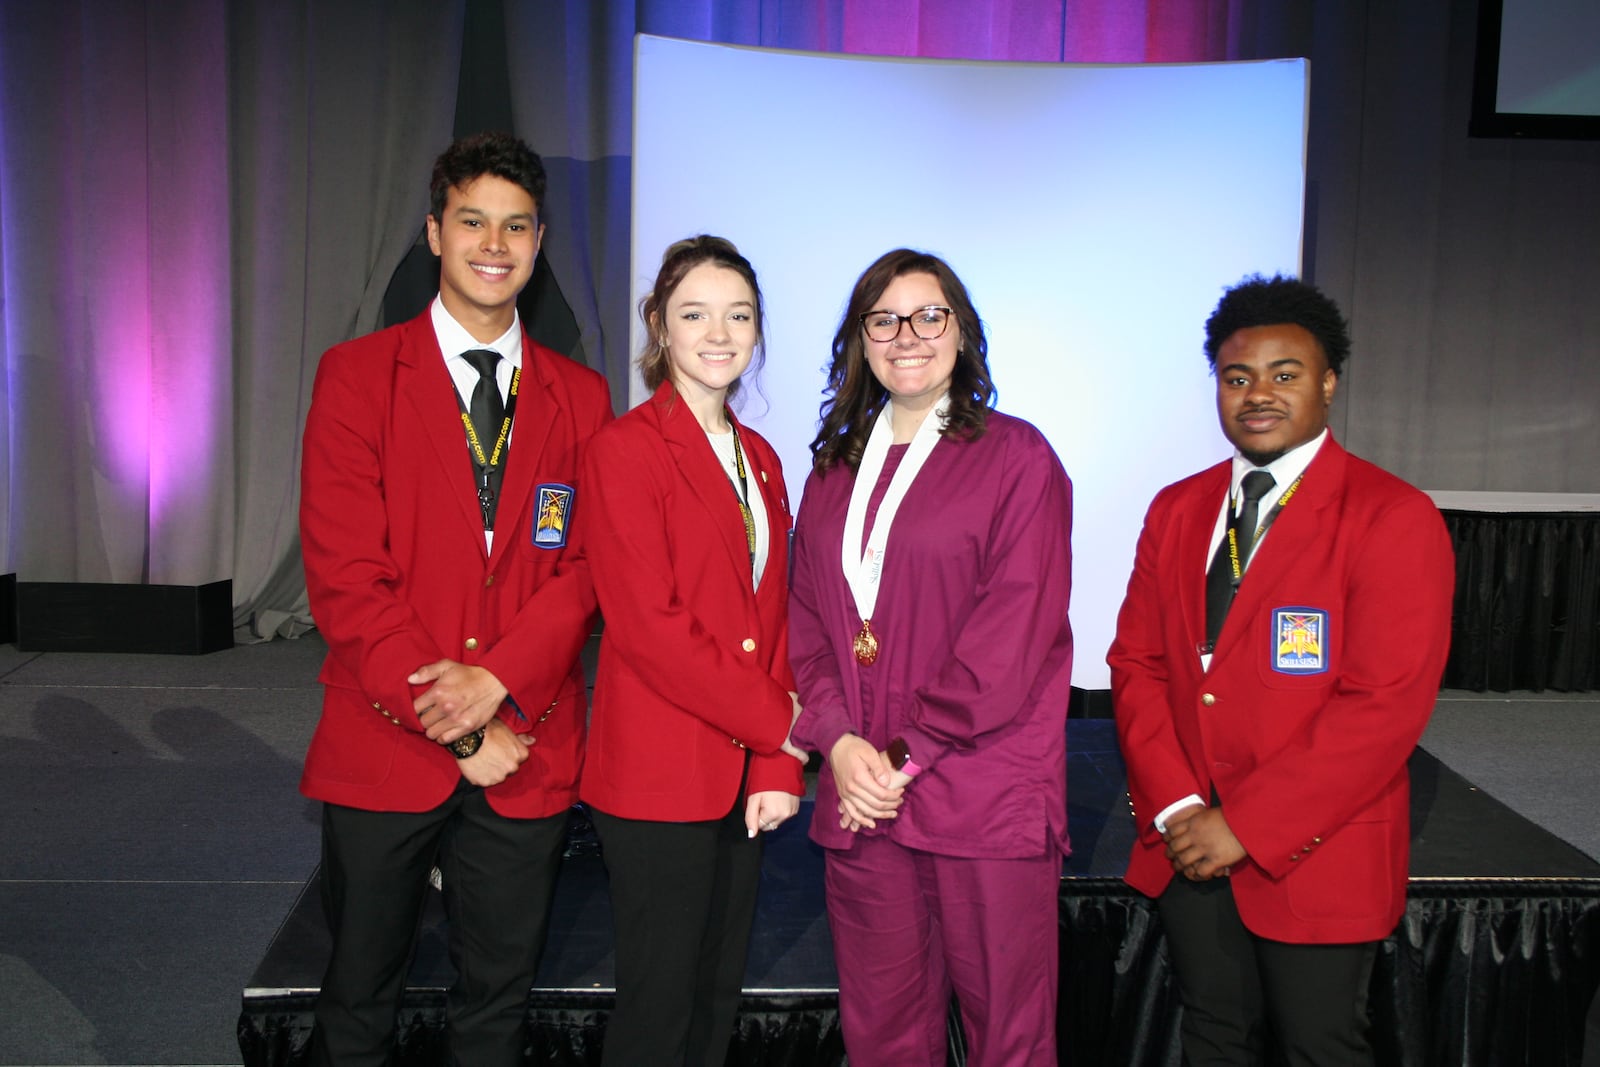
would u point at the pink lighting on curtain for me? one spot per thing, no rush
(113, 353)
(1044, 31)
(117, 310)
(190, 387)
(109, 241)
(1019, 30)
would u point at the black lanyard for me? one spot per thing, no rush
(489, 464)
(1233, 528)
(741, 493)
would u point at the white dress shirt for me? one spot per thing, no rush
(454, 340)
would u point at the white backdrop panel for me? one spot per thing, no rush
(1095, 212)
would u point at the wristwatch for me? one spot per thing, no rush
(467, 744)
(900, 757)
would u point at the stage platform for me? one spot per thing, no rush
(1494, 965)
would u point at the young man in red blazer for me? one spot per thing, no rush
(439, 489)
(1276, 659)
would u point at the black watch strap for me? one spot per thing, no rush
(467, 744)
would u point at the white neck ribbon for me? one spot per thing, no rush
(863, 569)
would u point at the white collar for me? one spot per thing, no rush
(1284, 470)
(454, 338)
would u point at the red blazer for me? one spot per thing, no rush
(694, 662)
(392, 540)
(1307, 752)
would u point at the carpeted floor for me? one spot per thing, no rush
(152, 837)
(1537, 752)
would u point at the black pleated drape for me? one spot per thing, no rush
(1480, 973)
(1527, 611)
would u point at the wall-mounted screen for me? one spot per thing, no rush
(1537, 72)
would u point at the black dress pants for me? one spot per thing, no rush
(1243, 993)
(683, 897)
(499, 876)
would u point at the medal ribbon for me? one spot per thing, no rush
(863, 568)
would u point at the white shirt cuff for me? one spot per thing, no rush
(1171, 809)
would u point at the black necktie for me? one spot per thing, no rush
(1220, 586)
(487, 412)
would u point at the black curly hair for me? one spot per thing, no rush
(499, 154)
(1278, 301)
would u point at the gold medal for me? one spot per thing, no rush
(866, 644)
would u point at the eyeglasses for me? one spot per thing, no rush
(927, 323)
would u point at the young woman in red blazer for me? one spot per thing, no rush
(688, 759)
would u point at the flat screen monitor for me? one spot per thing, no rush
(1537, 71)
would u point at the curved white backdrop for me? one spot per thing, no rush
(1096, 213)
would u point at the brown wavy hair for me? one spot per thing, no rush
(853, 396)
(679, 259)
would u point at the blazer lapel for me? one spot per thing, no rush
(427, 386)
(1199, 518)
(687, 443)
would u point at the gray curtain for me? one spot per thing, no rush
(338, 112)
(196, 200)
(1469, 268)
(571, 68)
(114, 213)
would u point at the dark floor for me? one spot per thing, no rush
(142, 878)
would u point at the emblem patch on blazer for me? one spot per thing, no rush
(1299, 640)
(552, 514)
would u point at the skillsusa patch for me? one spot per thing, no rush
(1299, 640)
(552, 514)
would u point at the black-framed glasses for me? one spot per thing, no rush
(927, 323)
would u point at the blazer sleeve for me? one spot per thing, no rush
(1141, 684)
(780, 773)
(535, 653)
(1396, 635)
(824, 716)
(651, 622)
(352, 580)
(1018, 615)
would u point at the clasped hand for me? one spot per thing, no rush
(768, 810)
(461, 699)
(502, 752)
(1201, 845)
(869, 788)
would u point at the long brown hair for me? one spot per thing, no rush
(854, 396)
(679, 259)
